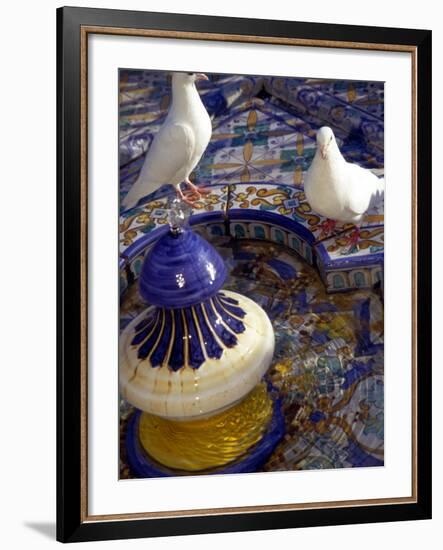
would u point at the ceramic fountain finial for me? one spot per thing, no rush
(178, 215)
(194, 353)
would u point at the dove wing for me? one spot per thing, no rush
(169, 154)
(359, 189)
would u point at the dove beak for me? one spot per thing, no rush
(324, 151)
(201, 76)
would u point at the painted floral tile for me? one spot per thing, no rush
(348, 244)
(258, 143)
(137, 223)
(360, 128)
(285, 200)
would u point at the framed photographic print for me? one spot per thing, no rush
(244, 271)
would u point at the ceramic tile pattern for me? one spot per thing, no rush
(328, 364)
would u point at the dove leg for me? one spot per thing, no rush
(184, 198)
(198, 190)
(327, 228)
(353, 239)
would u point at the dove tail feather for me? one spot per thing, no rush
(130, 199)
(378, 195)
(139, 189)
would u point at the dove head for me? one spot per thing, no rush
(325, 141)
(182, 79)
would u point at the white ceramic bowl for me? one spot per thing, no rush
(196, 392)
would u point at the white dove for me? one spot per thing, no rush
(179, 144)
(338, 189)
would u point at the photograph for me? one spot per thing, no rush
(251, 266)
(244, 274)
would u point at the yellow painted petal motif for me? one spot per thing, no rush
(303, 210)
(374, 218)
(277, 195)
(269, 162)
(216, 137)
(138, 91)
(247, 151)
(245, 175)
(252, 120)
(352, 94)
(263, 192)
(300, 145)
(142, 116)
(225, 165)
(298, 175)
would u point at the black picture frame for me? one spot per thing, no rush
(72, 524)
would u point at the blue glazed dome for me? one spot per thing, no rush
(181, 270)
